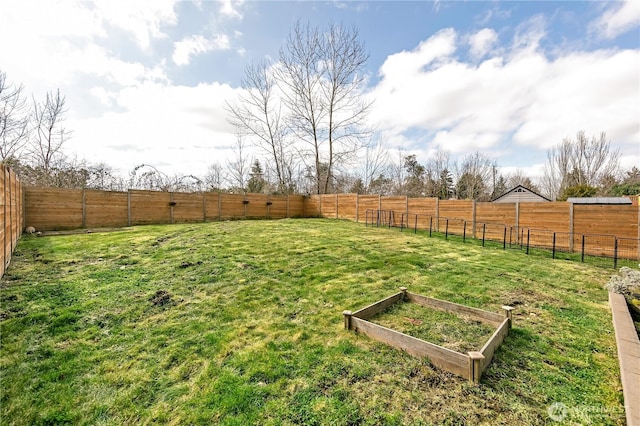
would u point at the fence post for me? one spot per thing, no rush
(504, 238)
(473, 218)
(528, 236)
(518, 222)
(464, 231)
(171, 207)
(128, 207)
(571, 226)
(430, 224)
(84, 208)
(446, 230)
(484, 230)
(204, 207)
(615, 254)
(415, 225)
(582, 250)
(475, 371)
(553, 250)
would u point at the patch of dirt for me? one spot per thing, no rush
(161, 298)
(413, 321)
(160, 240)
(188, 264)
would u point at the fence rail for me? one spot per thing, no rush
(603, 250)
(12, 213)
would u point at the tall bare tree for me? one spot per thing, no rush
(258, 114)
(49, 133)
(475, 177)
(375, 163)
(580, 162)
(14, 120)
(214, 178)
(321, 76)
(238, 167)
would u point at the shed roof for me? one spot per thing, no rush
(599, 200)
(512, 190)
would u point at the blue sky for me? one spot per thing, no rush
(146, 82)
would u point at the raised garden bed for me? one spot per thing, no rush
(470, 365)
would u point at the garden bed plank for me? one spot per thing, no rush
(375, 308)
(494, 342)
(486, 317)
(446, 359)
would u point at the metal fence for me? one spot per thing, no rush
(600, 250)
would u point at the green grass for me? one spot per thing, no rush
(241, 323)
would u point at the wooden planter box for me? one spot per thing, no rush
(470, 365)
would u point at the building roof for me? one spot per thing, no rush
(515, 188)
(600, 200)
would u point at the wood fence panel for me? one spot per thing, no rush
(51, 209)
(367, 202)
(106, 209)
(600, 221)
(150, 207)
(257, 207)
(456, 209)
(347, 206)
(423, 206)
(501, 213)
(328, 205)
(189, 207)
(232, 206)
(212, 211)
(278, 208)
(298, 207)
(549, 216)
(311, 206)
(4, 256)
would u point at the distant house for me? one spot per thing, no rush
(600, 200)
(521, 194)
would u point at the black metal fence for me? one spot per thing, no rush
(600, 250)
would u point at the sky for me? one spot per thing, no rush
(147, 81)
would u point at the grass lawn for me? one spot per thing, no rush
(241, 323)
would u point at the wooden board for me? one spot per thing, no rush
(367, 202)
(105, 209)
(149, 207)
(375, 308)
(347, 206)
(486, 317)
(492, 344)
(446, 359)
(50, 209)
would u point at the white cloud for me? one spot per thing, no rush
(143, 19)
(175, 128)
(195, 45)
(481, 42)
(522, 96)
(617, 19)
(231, 8)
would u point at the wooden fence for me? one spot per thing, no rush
(568, 221)
(11, 212)
(49, 209)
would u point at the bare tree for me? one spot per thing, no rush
(475, 177)
(146, 176)
(437, 175)
(579, 162)
(215, 177)
(375, 163)
(49, 133)
(14, 120)
(258, 114)
(321, 77)
(520, 178)
(238, 168)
